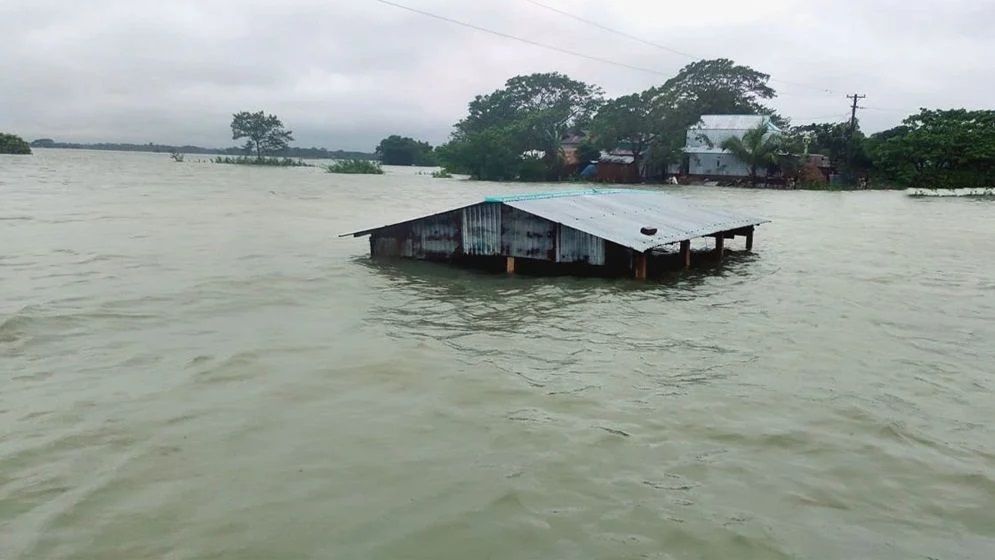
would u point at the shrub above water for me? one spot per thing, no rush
(355, 166)
(11, 144)
(275, 162)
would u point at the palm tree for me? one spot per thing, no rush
(755, 148)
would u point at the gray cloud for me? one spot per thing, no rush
(345, 74)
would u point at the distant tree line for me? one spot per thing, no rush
(291, 151)
(13, 144)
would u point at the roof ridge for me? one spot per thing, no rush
(550, 194)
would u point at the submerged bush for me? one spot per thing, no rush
(355, 166)
(275, 162)
(442, 174)
(11, 144)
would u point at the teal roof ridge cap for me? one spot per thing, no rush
(554, 194)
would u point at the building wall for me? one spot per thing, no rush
(488, 229)
(482, 229)
(697, 137)
(717, 164)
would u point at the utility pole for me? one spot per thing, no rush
(853, 112)
(853, 129)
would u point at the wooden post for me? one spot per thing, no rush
(640, 266)
(686, 253)
(720, 243)
(749, 239)
(509, 265)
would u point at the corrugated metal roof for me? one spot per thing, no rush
(732, 122)
(619, 216)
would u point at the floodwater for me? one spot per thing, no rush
(194, 365)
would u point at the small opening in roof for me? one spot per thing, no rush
(648, 230)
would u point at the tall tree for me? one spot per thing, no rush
(631, 122)
(536, 110)
(756, 148)
(265, 133)
(705, 87)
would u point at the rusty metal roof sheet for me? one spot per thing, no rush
(619, 215)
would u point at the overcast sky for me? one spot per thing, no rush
(343, 74)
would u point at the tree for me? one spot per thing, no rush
(705, 87)
(847, 154)
(265, 133)
(938, 149)
(12, 144)
(629, 122)
(533, 112)
(756, 148)
(401, 150)
(718, 86)
(488, 155)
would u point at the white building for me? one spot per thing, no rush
(704, 154)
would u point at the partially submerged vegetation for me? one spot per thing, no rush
(13, 144)
(355, 166)
(442, 174)
(273, 162)
(401, 150)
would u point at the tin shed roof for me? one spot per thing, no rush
(620, 215)
(733, 122)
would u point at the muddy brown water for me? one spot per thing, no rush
(195, 366)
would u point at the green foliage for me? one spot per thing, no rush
(847, 155)
(938, 149)
(265, 133)
(273, 162)
(632, 122)
(489, 155)
(587, 152)
(442, 174)
(401, 150)
(530, 114)
(532, 169)
(756, 149)
(355, 167)
(11, 144)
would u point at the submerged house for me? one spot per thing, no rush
(703, 149)
(598, 232)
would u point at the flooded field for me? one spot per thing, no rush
(195, 366)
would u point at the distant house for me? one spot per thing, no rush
(618, 166)
(569, 144)
(703, 151)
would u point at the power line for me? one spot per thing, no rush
(836, 116)
(615, 31)
(658, 45)
(523, 39)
